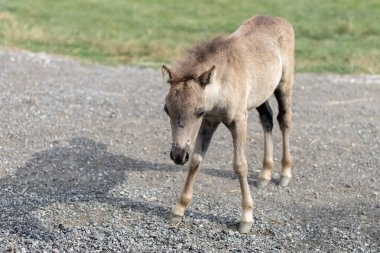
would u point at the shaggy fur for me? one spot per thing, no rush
(218, 82)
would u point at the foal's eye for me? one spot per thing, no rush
(166, 110)
(200, 112)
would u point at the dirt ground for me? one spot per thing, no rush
(85, 167)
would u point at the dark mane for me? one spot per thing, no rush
(203, 49)
(200, 53)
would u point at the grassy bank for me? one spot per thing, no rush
(332, 36)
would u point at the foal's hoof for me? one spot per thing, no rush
(175, 221)
(245, 227)
(262, 183)
(284, 181)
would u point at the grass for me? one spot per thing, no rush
(339, 36)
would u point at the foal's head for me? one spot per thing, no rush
(185, 105)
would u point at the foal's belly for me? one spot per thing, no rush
(264, 71)
(263, 86)
(261, 93)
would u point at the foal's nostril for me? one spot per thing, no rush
(179, 155)
(186, 157)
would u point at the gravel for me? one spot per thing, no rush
(84, 166)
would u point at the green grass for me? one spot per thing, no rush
(339, 36)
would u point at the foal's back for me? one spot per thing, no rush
(266, 45)
(272, 31)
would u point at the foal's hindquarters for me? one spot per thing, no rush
(283, 95)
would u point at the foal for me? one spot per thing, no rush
(218, 82)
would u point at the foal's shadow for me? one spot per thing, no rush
(83, 171)
(253, 178)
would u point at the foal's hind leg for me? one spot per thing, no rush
(266, 118)
(284, 98)
(202, 142)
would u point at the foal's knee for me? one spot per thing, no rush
(284, 118)
(241, 168)
(267, 123)
(195, 161)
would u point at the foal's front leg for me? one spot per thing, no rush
(206, 131)
(238, 130)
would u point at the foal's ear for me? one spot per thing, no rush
(205, 77)
(168, 72)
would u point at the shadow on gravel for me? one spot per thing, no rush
(230, 174)
(84, 171)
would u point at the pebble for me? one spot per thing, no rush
(93, 191)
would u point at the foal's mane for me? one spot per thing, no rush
(187, 67)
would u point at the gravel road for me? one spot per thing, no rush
(84, 166)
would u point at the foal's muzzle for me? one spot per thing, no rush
(179, 155)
